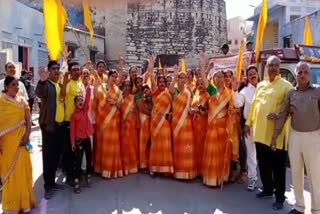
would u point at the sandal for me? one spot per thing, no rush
(242, 178)
(77, 188)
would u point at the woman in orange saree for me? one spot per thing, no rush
(144, 104)
(199, 122)
(129, 130)
(183, 147)
(217, 148)
(16, 168)
(108, 160)
(161, 147)
(234, 132)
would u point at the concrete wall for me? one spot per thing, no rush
(22, 26)
(236, 32)
(296, 29)
(82, 40)
(180, 27)
(280, 11)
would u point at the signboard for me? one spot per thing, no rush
(309, 54)
(229, 63)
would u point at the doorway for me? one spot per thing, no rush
(23, 57)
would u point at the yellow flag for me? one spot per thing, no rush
(159, 66)
(240, 60)
(54, 22)
(87, 19)
(62, 18)
(307, 40)
(183, 65)
(263, 19)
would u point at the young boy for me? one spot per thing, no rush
(80, 131)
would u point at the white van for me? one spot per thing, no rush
(289, 59)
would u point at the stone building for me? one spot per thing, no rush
(182, 28)
(169, 27)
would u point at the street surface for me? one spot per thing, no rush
(141, 194)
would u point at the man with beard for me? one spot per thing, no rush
(244, 99)
(302, 104)
(272, 158)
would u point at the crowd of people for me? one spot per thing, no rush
(184, 125)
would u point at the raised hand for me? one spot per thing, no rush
(150, 63)
(235, 84)
(43, 74)
(176, 70)
(66, 53)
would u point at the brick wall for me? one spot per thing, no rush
(180, 27)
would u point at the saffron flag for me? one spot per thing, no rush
(263, 19)
(87, 19)
(62, 18)
(307, 40)
(240, 60)
(54, 21)
(183, 65)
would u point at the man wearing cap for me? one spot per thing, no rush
(302, 104)
(272, 158)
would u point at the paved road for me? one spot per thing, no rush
(141, 194)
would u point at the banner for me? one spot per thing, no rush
(229, 63)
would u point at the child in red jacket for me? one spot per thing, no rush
(80, 131)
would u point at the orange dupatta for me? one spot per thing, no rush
(181, 107)
(161, 107)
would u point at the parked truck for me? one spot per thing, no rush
(289, 57)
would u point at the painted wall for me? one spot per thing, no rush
(22, 26)
(296, 28)
(282, 12)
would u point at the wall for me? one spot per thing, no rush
(180, 27)
(22, 25)
(82, 40)
(280, 12)
(296, 29)
(237, 30)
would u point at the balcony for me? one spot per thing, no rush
(272, 5)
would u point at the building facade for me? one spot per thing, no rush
(292, 33)
(238, 29)
(180, 28)
(21, 35)
(280, 13)
(175, 28)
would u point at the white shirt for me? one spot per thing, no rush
(90, 112)
(22, 89)
(245, 98)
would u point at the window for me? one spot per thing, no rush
(236, 42)
(6, 45)
(93, 56)
(287, 41)
(294, 17)
(230, 42)
(286, 74)
(72, 49)
(315, 75)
